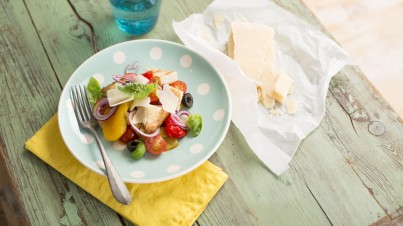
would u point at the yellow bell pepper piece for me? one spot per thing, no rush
(115, 126)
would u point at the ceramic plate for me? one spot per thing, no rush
(211, 100)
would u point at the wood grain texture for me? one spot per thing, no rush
(267, 195)
(342, 174)
(29, 99)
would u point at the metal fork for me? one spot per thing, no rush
(85, 118)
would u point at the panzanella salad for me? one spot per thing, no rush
(147, 111)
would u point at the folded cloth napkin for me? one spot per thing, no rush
(175, 202)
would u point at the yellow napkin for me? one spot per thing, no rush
(175, 202)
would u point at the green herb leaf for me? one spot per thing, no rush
(195, 124)
(94, 90)
(138, 90)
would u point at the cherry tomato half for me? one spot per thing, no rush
(173, 130)
(128, 136)
(155, 145)
(168, 121)
(181, 85)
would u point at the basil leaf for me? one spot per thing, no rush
(138, 90)
(94, 90)
(195, 124)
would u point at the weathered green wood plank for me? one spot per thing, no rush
(376, 160)
(375, 155)
(334, 183)
(351, 183)
(30, 93)
(371, 167)
(267, 195)
(98, 14)
(228, 207)
(18, 118)
(67, 40)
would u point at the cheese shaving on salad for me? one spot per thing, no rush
(168, 99)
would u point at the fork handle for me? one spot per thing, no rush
(118, 187)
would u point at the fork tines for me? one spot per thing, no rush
(80, 103)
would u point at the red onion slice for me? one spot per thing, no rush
(98, 114)
(183, 112)
(178, 121)
(120, 79)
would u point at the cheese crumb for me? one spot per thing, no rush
(276, 112)
(291, 105)
(282, 87)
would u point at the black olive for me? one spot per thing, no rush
(132, 145)
(187, 100)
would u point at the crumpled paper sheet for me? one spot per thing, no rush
(302, 51)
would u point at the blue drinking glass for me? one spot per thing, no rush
(136, 17)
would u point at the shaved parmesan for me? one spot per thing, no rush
(166, 77)
(143, 102)
(168, 99)
(140, 79)
(139, 116)
(115, 97)
(179, 94)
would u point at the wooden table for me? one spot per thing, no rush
(347, 172)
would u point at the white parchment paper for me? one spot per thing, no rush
(302, 51)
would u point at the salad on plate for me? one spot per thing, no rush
(149, 111)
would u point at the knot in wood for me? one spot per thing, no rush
(376, 128)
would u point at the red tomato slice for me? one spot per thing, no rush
(155, 145)
(168, 121)
(128, 136)
(181, 85)
(175, 131)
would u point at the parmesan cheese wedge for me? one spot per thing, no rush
(252, 46)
